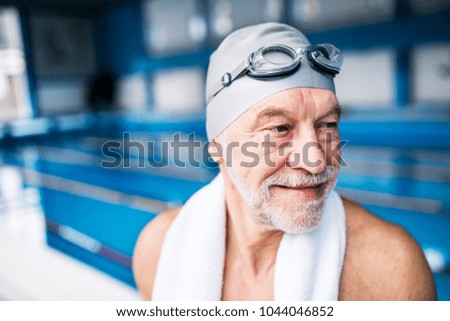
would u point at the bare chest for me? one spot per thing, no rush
(239, 285)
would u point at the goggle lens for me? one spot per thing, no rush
(273, 60)
(326, 56)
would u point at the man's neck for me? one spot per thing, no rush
(249, 242)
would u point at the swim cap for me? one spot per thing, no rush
(232, 101)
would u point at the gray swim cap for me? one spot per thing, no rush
(227, 105)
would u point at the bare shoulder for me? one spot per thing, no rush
(147, 251)
(383, 261)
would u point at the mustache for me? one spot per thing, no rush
(299, 180)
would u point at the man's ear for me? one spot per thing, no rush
(215, 150)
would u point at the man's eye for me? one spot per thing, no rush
(281, 128)
(331, 125)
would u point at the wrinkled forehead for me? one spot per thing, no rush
(297, 103)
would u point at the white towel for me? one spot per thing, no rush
(308, 266)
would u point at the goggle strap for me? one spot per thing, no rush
(239, 70)
(228, 78)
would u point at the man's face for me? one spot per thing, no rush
(282, 157)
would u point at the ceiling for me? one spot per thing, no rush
(62, 2)
(70, 6)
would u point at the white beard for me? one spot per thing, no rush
(294, 217)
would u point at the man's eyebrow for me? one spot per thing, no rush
(336, 110)
(267, 113)
(273, 112)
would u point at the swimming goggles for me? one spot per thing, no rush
(278, 60)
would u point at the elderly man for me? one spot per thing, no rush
(270, 226)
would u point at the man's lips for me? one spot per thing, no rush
(300, 187)
(308, 192)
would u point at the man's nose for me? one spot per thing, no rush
(307, 153)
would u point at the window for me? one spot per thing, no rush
(421, 6)
(14, 91)
(179, 90)
(62, 46)
(229, 15)
(132, 92)
(324, 14)
(367, 79)
(171, 26)
(431, 73)
(64, 57)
